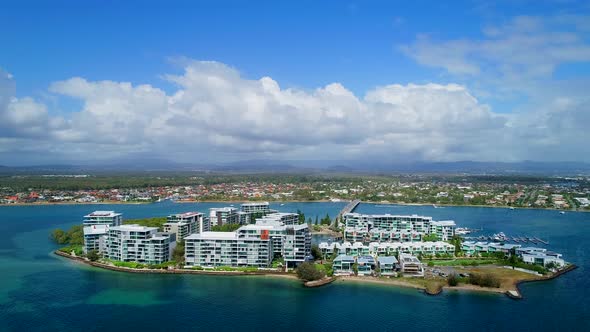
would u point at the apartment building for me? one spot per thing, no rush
(185, 224)
(110, 218)
(283, 218)
(392, 228)
(222, 216)
(212, 249)
(141, 244)
(96, 226)
(255, 207)
(411, 265)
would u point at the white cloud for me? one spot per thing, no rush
(215, 113)
(510, 56)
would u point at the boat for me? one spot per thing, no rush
(561, 212)
(511, 208)
(282, 204)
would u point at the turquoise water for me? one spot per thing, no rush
(41, 292)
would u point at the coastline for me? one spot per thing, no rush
(514, 293)
(295, 201)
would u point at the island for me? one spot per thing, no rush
(399, 250)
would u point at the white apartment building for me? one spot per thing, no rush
(387, 227)
(185, 224)
(96, 227)
(141, 244)
(110, 218)
(261, 243)
(255, 207)
(286, 219)
(212, 249)
(222, 216)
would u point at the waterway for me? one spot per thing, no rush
(41, 292)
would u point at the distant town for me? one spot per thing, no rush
(523, 192)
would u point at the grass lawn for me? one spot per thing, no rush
(507, 277)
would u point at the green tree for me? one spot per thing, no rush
(92, 255)
(355, 269)
(452, 280)
(307, 271)
(59, 236)
(430, 238)
(178, 253)
(316, 252)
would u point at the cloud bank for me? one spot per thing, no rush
(215, 114)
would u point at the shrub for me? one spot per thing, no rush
(486, 280)
(431, 264)
(453, 280)
(307, 271)
(92, 255)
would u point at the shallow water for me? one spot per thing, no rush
(39, 291)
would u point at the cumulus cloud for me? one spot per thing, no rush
(216, 113)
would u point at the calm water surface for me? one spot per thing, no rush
(41, 292)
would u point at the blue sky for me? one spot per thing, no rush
(509, 65)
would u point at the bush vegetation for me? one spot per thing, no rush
(484, 280)
(452, 280)
(308, 271)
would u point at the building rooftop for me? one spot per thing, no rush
(213, 236)
(103, 214)
(186, 214)
(387, 259)
(355, 214)
(344, 258)
(134, 228)
(255, 203)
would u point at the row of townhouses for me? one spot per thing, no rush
(394, 228)
(367, 265)
(386, 248)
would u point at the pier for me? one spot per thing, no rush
(347, 209)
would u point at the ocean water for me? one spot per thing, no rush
(42, 292)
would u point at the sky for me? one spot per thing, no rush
(225, 81)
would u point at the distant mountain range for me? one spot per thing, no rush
(310, 166)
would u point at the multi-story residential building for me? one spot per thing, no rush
(255, 207)
(540, 256)
(342, 265)
(444, 230)
(141, 244)
(110, 218)
(95, 237)
(292, 243)
(387, 265)
(212, 249)
(222, 216)
(386, 227)
(287, 219)
(96, 227)
(365, 265)
(185, 224)
(410, 265)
